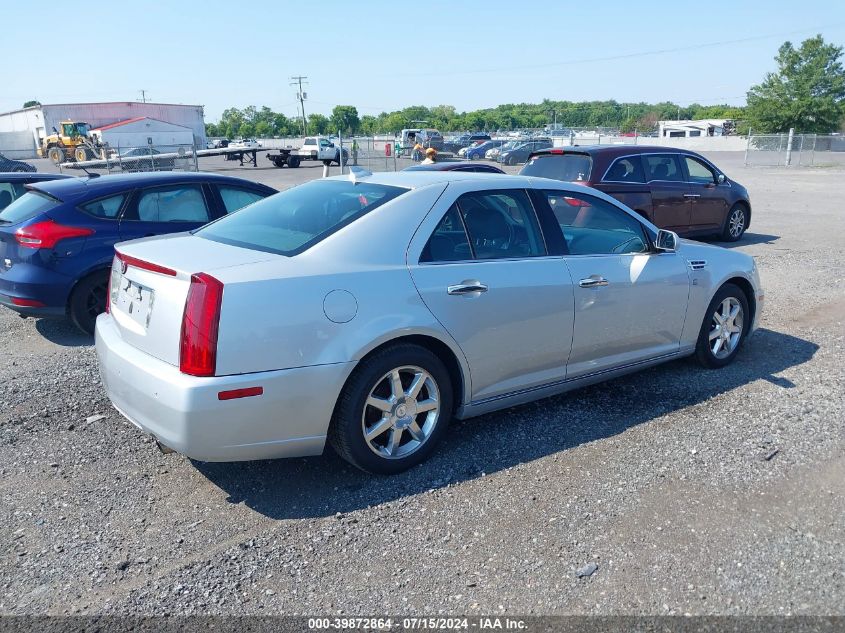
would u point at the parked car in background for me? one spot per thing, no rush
(456, 144)
(456, 165)
(463, 151)
(144, 159)
(266, 333)
(57, 240)
(520, 153)
(13, 185)
(220, 143)
(244, 143)
(427, 137)
(477, 152)
(493, 154)
(10, 165)
(675, 189)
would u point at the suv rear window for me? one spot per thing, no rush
(566, 167)
(293, 221)
(27, 207)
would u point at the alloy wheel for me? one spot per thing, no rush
(736, 224)
(401, 412)
(726, 328)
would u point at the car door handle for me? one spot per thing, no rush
(692, 195)
(593, 282)
(466, 288)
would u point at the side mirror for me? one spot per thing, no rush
(720, 178)
(666, 241)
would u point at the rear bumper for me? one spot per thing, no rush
(290, 419)
(30, 311)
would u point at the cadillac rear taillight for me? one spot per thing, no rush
(200, 322)
(48, 233)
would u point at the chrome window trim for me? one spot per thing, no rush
(675, 153)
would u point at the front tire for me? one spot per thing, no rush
(725, 326)
(88, 301)
(393, 410)
(736, 223)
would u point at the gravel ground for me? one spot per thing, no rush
(672, 491)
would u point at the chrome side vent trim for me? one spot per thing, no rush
(697, 264)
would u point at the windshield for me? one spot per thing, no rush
(294, 220)
(566, 167)
(27, 207)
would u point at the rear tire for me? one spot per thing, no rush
(736, 223)
(384, 427)
(293, 161)
(88, 300)
(725, 326)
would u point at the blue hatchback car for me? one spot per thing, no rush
(57, 240)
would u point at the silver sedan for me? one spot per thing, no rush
(370, 310)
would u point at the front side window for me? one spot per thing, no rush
(663, 167)
(235, 198)
(499, 224)
(106, 208)
(180, 203)
(592, 226)
(699, 172)
(627, 169)
(292, 221)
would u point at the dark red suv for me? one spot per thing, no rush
(675, 189)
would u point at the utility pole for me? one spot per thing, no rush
(297, 81)
(143, 96)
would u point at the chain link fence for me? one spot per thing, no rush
(142, 158)
(794, 150)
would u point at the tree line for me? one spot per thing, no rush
(807, 92)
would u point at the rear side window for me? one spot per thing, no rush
(179, 203)
(235, 198)
(627, 169)
(499, 225)
(566, 167)
(449, 241)
(290, 222)
(27, 207)
(107, 208)
(663, 167)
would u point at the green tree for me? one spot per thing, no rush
(806, 93)
(318, 124)
(29, 104)
(345, 118)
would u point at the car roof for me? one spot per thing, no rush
(75, 188)
(612, 150)
(29, 176)
(423, 178)
(448, 165)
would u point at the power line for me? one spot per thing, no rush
(587, 60)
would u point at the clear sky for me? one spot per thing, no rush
(381, 55)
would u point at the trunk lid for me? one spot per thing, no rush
(150, 283)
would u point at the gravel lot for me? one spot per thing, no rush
(692, 491)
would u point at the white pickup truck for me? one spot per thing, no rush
(321, 148)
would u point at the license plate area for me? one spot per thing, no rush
(135, 300)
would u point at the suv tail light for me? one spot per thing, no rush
(200, 322)
(48, 233)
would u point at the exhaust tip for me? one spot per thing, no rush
(164, 448)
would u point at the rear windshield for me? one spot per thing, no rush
(566, 167)
(27, 207)
(292, 221)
